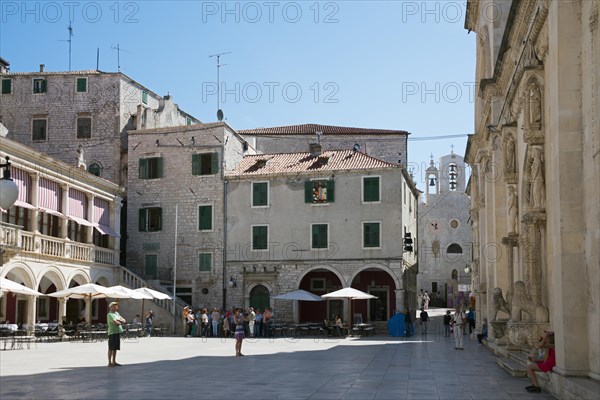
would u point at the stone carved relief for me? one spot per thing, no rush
(522, 302)
(499, 303)
(530, 57)
(534, 98)
(513, 210)
(541, 45)
(538, 185)
(509, 155)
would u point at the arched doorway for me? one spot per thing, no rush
(380, 284)
(259, 297)
(320, 281)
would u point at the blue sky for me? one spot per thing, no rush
(406, 65)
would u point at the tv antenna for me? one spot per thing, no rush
(219, 65)
(69, 40)
(119, 50)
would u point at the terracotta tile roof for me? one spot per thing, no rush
(311, 129)
(282, 163)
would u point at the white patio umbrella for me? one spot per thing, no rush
(155, 294)
(133, 294)
(89, 291)
(6, 285)
(350, 294)
(300, 295)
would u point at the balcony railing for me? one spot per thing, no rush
(14, 237)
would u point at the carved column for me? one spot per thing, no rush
(533, 225)
(90, 217)
(64, 222)
(510, 242)
(35, 214)
(62, 308)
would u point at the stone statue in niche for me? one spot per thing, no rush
(510, 155)
(80, 158)
(513, 209)
(522, 302)
(538, 186)
(535, 106)
(499, 303)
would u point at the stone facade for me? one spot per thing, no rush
(53, 249)
(292, 261)
(151, 251)
(535, 182)
(445, 240)
(113, 102)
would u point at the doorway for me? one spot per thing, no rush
(378, 308)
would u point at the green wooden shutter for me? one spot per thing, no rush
(330, 191)
(6, 86)
(43, 86)
(143, 163)
(371, 189)
(142, 219)
(204, 262)
(159, 219)
(195, 164)
(81, 85)
(205, 218)
(308, 196)
(144, 97)
(151, 265)
(214, 163)
(159, 167)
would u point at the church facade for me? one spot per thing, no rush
(535, 181)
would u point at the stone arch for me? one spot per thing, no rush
(55, 276)
(79, 277)
(326, 267)
(377, 266)
(22, 274)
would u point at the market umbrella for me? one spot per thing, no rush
(301, 295)
(6, 285)
(89, 291)
(350, 294)
(133, 294)
(153, 294)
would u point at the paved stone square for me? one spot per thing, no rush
(378, 367)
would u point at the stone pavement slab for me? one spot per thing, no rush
(377, 368)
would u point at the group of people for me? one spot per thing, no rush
(456, 324)
(222, 323)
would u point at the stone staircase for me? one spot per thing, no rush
(515, 364)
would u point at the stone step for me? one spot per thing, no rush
(512, 367)
(519, 356)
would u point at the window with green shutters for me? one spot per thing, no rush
(205, 218)
(144, 97)
(39, 86)
(371, 189)
(6, 86)
(319, 191)
(371, 234)
(260, 237)
(151, 265)
(151, 168)
(150, 219)
(319, 236)
(81, 85)
(205, 164)
(204, 262)
(260, 194)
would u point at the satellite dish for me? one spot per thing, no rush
(220, 115)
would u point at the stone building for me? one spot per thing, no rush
(320, 221)
(445, 234)
(181, 168)
(60, 233)
(85, 113)
(386, 144)
(535, 181)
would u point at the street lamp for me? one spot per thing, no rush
(9, 191)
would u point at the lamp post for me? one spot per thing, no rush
(9, 191)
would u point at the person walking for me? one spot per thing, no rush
(424, 316)
(148, 319)
(251, 321)
(471, 319)
(447, 319)
(460, 320)
(215, 317)
(115, 328)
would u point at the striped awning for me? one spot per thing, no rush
(106, 230)
(80, 221)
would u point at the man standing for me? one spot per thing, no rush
(266, 320)
(115, 329)
(251, 319)
(460, 320)
(424, 320)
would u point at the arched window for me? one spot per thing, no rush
(259, 297)
(94, 168)
(454, 248)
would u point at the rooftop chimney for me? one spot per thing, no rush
(314, 149)
(42, 67)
